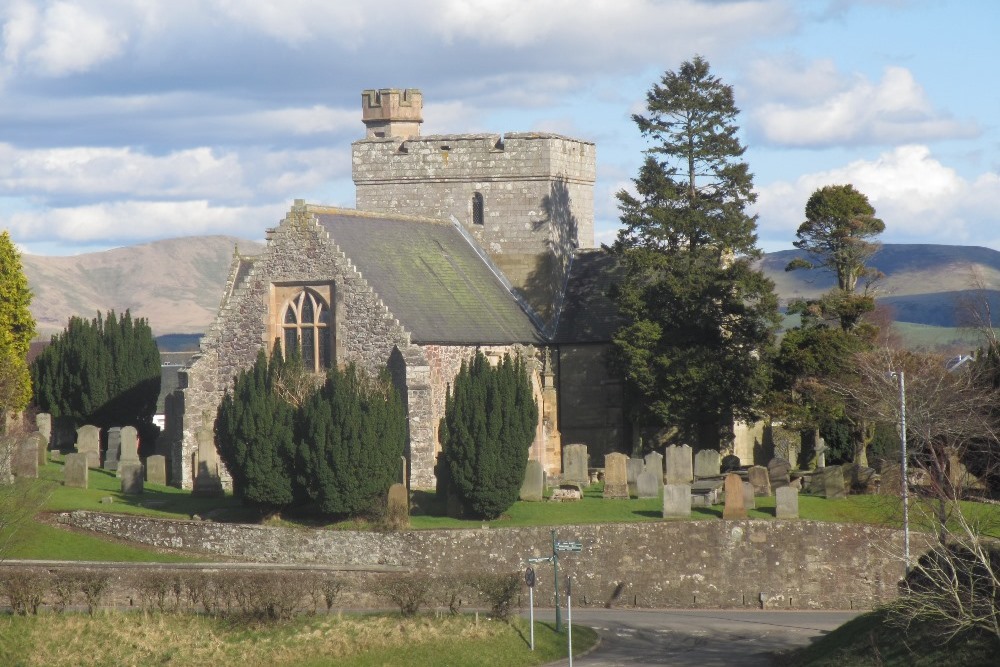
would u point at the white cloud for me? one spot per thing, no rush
(812, 106)
(919, 198)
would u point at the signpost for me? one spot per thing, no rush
(557, 546)
(569, 618)
(529, 578)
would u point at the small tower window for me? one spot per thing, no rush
(477, 208)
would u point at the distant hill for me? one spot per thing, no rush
(176, 284)
(923, 284)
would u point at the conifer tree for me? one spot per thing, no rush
(350, 437)
(17, 328)
(254, 433)
(486, 433)
(700, 320)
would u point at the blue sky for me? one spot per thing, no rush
(127, 121)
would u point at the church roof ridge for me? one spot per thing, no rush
(321, 209)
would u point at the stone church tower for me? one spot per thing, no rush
(527, 197)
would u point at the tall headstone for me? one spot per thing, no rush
(749, 499)
(779, 472)
(130, 445)
(707, 463)
(633, 466)
(132, 477)
(680, 469)
(156, 469)
(41, 447)
(43, 422)
(676, 501)
(761, 482)
(88, 443)
(575, 464)
(397, 506)
(25, 463)
(786, 503)
(114, 451)
(654, 462)
(616, 476)
(648, 483)
(833, 482)
(75, 471)
(206, 478)
(734, 508)
(533, 486)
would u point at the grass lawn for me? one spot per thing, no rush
(116, 638)
(869, 641)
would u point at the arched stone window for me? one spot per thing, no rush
(477, 208)
(305, 326)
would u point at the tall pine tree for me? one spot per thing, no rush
(487, 430)
(700, 320)
(17, 328)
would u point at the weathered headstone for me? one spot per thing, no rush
(88, 443)
(403, 476)
(734, 508)
(786, 503)
(730, 463)
(575, 464)
(114, 451)
(43, 422)
(779, 472)
(633, 466)
(25, 463)
(676, 501)
(616, 476)
(130, 445)
(41, 447)
(156, 469)
(397, 507)
(206, 478)
(761, 483)
(749, 499)
(821, 453)
(75, 471)
(707, 463)
(680, 469)
(654, 461)
(862, 479)
(648, 484)
(132, 477)
(833, 482)
(533, 486)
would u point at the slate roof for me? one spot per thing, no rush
(431, 278)
(588, 314)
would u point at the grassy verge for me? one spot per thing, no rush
(116, 638)
(869, 641)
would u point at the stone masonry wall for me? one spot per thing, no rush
(687, 564)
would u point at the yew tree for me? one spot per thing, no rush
(700, 320)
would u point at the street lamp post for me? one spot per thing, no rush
(902, 441)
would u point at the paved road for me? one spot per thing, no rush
(704, 638)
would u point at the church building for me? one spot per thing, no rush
(457, 243)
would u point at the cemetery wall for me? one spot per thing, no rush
(687, 564)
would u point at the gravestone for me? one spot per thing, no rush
(679, 465)
(707, 463)
(397, 507)
(706, 492)
(575, 464)
(616, 476)
(749, 499)
(761, 483)
(862, 478)
(132, 477)
(633, 467)
(75, 471)
(533, 486)
(206, 479)
(41, 447)
(833, 482)
(734, 508)
(730, 463)
(654, 462)
(403, 477)
(786, 503)
(43, 422)
(648, 484)
(88, 443)
(130, 445)
(676, 501)
(820, 453)
(113, 453)
(779, 472)
(25, 460)
(156, 469)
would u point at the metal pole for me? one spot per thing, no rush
(531, 614)
(555, 567)
(569, 619)
(902, 441)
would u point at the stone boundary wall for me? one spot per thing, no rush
(688, 564)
